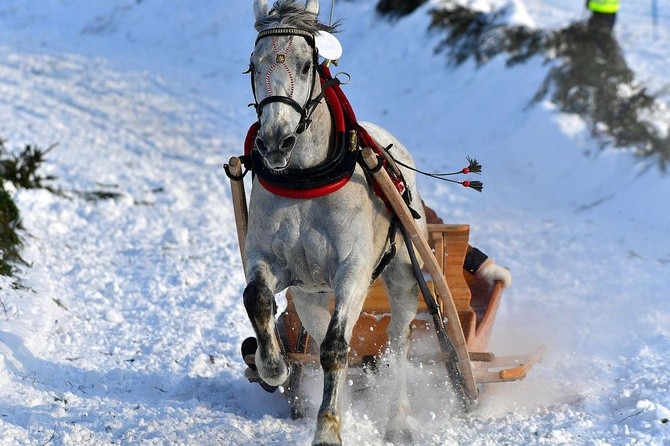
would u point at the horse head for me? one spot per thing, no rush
(284, 76)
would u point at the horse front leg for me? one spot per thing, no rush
(349, 299)
(259, 301)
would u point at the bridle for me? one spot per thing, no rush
(308, 108)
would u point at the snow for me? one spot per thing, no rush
(129, 326)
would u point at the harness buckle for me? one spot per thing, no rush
(353, 140)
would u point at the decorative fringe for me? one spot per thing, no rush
(476, 185)
(473, 167)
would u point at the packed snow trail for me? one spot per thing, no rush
(129, 326)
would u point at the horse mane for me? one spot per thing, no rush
(292, 14)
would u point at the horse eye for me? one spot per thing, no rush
(306, 68)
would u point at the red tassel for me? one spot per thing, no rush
(476, 185)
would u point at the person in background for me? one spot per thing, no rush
(603, 14)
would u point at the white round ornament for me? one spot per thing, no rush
(329, 47)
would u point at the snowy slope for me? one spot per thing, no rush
(129, 330)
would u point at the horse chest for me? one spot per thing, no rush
(307, 241)
(302, 241)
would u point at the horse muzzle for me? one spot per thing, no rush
(276, 151)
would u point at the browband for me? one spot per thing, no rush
(286, 32)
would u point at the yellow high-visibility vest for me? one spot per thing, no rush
(604, 6)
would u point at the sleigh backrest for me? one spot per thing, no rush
(450, 244)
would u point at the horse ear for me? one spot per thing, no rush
(260, 9)
(312, 6)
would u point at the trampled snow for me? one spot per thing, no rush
(129, 325)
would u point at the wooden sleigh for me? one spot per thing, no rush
(462, 326)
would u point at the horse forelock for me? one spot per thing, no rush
(292, 14)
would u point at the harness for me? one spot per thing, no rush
(350, 137)
(322, 179)
(333, 173)
(337, 169)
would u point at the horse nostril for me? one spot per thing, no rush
(261, 146)
(284, 147)
(288, 143)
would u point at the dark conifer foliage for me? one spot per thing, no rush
(587, 73)
(21, 171)
(398, 8)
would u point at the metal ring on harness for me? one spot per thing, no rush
(343, 73)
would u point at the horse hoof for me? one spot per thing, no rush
(328, 427)
(274, 373)
(399, 436)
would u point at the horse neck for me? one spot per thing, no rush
(313, 146)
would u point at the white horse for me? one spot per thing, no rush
(318, 246)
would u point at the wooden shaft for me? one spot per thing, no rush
(454, 329)
(239, 204)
